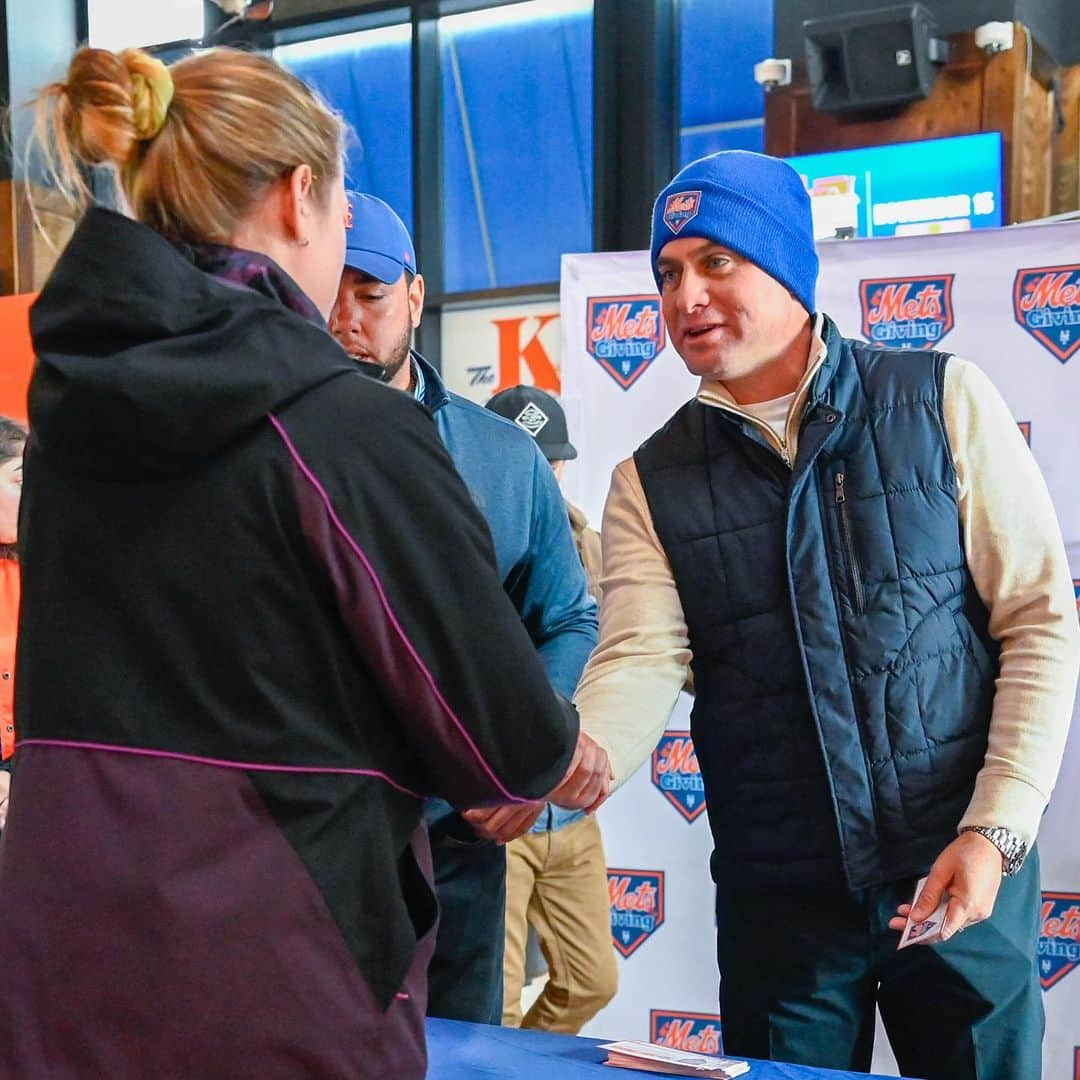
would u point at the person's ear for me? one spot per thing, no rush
(416, 300)
(296, 206)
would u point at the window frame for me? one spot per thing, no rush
(631, 38)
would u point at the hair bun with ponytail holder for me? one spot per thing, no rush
(151, 92)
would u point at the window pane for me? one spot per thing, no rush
(120, 24)
(518, 129)
(366, 77)
(721, 106)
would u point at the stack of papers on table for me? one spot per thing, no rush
(662, 1059)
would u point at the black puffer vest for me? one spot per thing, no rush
(844, 671)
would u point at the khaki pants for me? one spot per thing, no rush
(557, 883)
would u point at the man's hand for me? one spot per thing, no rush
(5, 787)
(969, 870)
(504, 823)
(588, 780)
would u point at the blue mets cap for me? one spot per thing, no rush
(376, 240)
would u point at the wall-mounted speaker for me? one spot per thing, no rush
(872, 59)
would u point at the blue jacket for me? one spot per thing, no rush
(842, 663)
(538, 562)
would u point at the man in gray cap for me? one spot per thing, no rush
(556, 874)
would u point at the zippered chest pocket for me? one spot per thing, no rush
(849, 556)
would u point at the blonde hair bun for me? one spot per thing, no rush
(151, 92)
(107, 104)
(194, 145)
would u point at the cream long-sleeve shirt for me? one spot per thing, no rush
(1017, 562)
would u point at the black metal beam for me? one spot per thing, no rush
(82, 21)
(636, 116)
(427, 166)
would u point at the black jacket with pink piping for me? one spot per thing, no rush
(260, 621)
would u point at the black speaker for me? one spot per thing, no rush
(872, 59)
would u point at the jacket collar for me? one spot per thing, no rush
(255, 271)
(828, 360)
(435, 395)
(713, 392)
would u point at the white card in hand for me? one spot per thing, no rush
(929, 930)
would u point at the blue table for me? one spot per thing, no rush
(459, 1051)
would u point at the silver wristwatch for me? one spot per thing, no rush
(1013, 849)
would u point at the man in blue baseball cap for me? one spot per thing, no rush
(381, 298)
(380, 303)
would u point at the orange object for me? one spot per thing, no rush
(9, 622)
(16, 354)
(16, 364)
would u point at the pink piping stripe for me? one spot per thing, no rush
(313, 480)
(247, 766)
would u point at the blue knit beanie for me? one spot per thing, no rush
(753, 204)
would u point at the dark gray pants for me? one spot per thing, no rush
(465, 979)
(801, 972)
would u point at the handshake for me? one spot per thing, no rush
(584, 787)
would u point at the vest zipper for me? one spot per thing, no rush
(847, 546)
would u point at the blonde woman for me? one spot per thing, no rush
(245, 654)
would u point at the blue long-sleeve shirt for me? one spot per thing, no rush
(517, 493)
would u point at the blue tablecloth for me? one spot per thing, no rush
(459, 1051)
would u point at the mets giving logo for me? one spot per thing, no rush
(696, 1033)
(906, 313)
(1046, 303)
(681, 208)
(637, 906)
(1059, 939)
(625, 334)
(675, 771)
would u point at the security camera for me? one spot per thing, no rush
(771, 73)
(994, 37)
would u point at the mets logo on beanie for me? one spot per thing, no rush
(681, 207)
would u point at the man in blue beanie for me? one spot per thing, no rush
(856, 552)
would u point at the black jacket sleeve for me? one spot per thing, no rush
(413, 570)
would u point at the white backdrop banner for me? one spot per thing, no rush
(1007, 299)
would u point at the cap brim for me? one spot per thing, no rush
(380, 267)
(559, 452)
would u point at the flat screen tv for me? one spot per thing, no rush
(906, 189)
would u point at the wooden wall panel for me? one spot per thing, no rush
(1065, 147)
(1008, 92)
(29, 248)
(1034, 166)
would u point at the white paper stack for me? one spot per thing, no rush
(662, 1059)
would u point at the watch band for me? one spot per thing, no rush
(1013, 849)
